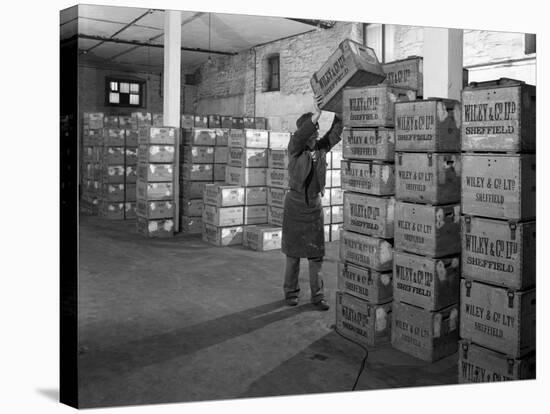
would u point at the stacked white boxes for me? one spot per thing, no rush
(155, 208)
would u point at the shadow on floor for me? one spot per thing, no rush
(332, 363)
(156, 349)
(50, 394)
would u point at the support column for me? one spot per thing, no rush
(442, 63)
(172, 92)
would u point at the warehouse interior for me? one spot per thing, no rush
(178, 319)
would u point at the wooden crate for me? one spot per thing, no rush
(431, 178)
(430, 284)
(499, 252)
(158, 135)
(246, 177)
(113, 174)
(93, 120)
(430, 125)
(275, 216)
(220, 155)
(247, 157)
(222, 236)
(219, 172)
(279, 140)
(187, 121)
(262, 238)
(276, 196)
(363, 322)
(131, 137)
(191, 225)
(427, 230)
(499, 116)
(373, 106)
(131, 156)
(365, 283)
(248, 138)
(222, 137)
(249, 122)
(368, 177)
(156, 154)
(200, 121)
(370, 215)
(277, 177)
(155, 228)
(92, 137)
(336, 196)
(277, 158)
(237, 123)
(113, 137)
(141, 119)
(154, 191)
(214, 121)
(130, 211)
(405, 73)
(155, 209)
(110, 121)
(226, 121)
(499, 186)
(477, 364)
(368, 144)
(350, 65)
(497, 318)
(197, 172)
(260, 123)
(113, 192)
(191, 190)
(366, 251)
(112, 155)
(197, 154)
(191, 208)
(155, 172)
(111, 210)
(255, 214)
(199, 136)
(223, 195)
(157, 119)
(130, 174)
(130, 193)
(223, 216)
(426, 335)
(254, 196)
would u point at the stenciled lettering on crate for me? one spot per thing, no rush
(275, 216)
(276, 196)
(370, 215)
(405, 73)
(366, 251)
(364, 283)
(368, 144)
(197, 172)
(277, 158)
(247, 157)
(199, 136)
(498, 318)
(368, 177)
(248, 138)
(155, 209)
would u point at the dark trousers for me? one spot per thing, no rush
(292, 270)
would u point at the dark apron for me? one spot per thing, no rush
(303, 226)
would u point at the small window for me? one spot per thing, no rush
(123, 92)
(273, 73)
(530, 43)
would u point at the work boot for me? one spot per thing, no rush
(322, 305)
(291, 301)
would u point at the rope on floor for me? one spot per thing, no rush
(363, 363)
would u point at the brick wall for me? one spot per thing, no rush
(236, 85)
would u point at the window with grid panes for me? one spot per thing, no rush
(125, 92)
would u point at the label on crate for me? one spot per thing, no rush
(428, 178)
(427, 230)
(201, 121)
(278, 158)
(158, 135)
(277, 177)
(430, 284)
(499, 252)
(276, 196)
(249, 138)
(365, 283)
(156, 153)
(154, 191)
(405, 73)
(499, 186)
(369, 215)
(155, 228)
(200, 136)
(255, 196)
(247, 157)
(155, 209)
(497, 318)
(368, 177)
(113, 137)
(366, 251)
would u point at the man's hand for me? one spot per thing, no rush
(317, 101)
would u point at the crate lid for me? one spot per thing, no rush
(412, 57)
(497, 83)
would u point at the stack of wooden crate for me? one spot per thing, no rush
(363, 304)
(427, 228)
(92, 143)
(156, 179)
(333, 198)
(497, 291)
(223, 214)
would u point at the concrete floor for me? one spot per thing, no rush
(173, 320)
